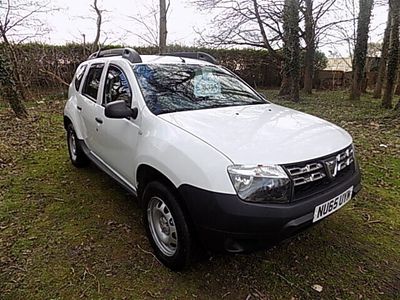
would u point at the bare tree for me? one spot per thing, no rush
(383, 60)
(101, 36)
(20, 20)
(256, 23)
(265, 41)
(147, 19)
(393, 59)
(343, 34)
(285, 72)
(360, 50)
(318, 21)
(259, 23)
(153, 23)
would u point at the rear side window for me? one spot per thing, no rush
(116, 87)
(92, 82)
(79, 76)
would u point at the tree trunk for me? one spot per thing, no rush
(360, 50)
(383, 60)
(310, 47)
(96, 42)
(295, 50)
(16, 103)
(163, 27)
(9, 89)
(393, 59)
(12, 57)
(285, 65)
(290, 84)
(286, 81)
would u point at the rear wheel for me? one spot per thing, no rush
(166, 227)
(76, 154)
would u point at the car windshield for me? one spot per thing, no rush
(179, 87)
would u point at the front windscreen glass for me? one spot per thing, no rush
(179, 87)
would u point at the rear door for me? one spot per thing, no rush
(76, 98)
(89, 97)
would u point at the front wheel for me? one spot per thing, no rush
(166, 227)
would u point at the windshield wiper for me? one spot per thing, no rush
(242, 93)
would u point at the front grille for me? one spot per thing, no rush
(317, 175)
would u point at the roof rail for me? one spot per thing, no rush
(127, 53)
(195, 55)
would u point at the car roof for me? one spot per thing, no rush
(133, 57)
(166, 59)
(153, 59)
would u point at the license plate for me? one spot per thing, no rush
(329, 207)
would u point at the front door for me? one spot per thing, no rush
(117, 138)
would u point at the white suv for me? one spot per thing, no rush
(211, 161)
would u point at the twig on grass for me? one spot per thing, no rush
(226, 294)
(84, 292)
(148, 252)
(373, 222)
(94, 276)
(291, 283)
(368, 220)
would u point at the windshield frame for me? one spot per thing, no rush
(257, 96)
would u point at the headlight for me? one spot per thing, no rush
(260, 183)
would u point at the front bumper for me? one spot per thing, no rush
(225, 222)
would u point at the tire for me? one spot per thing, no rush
(77, 156)
(166, 227)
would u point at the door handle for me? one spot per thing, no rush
(79, 108)
(100, 121)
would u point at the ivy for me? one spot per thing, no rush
(7, 82)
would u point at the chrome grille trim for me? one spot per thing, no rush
(345, 158)
(345, 163)
(306, 169)
(309, 178)
(317, 170)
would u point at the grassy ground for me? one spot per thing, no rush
(70, 234)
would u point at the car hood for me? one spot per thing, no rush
(262, 134)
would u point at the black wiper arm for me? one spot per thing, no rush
(242, 93)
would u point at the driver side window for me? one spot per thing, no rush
(116, 87)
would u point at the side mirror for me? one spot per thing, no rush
(119, 110)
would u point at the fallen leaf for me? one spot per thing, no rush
(317, 287)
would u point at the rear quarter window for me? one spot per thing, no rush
(79, 75)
